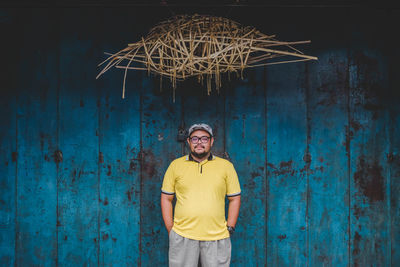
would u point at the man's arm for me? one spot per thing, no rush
(166, 210)
(233, 210)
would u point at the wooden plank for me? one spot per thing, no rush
(160, 123)
(394, 172)
(119, 178)
(8, 139)
(8, 178)
(246, 145)
(36, 242)
(369, 187)
(78, 190)
(198, 107)
(393, 157)
(286, 166)
(328, 204)
(119, 159)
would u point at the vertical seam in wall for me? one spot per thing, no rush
(16, 187)
(348, 156)
(141, 155)
(182, 123)
(307, 158)
(392, 123)
(391, 141)
(389, 183)
(99, 140)
(266, 185)
(57, 134)
(224, 125)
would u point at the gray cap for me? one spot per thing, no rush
(200, 126)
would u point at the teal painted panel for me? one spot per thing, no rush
(394, 173)
(246, 144)
(197, 106)
(8, 178)
(8, 139)
(36, 193)
(393, 157)
(161, 119)
(119, 160)
(119, 179)
(287, 167)
(328, 204)
(369, 183)
(79, 177)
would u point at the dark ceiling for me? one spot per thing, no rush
(200, 3)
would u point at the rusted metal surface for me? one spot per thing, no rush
(316, 147)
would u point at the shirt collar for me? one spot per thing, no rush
(190, 158)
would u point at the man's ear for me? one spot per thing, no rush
(188, 141)
(212, 141)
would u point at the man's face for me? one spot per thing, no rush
(202, 147)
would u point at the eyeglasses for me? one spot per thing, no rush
(196, 139)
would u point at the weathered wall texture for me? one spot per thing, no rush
(316, 145)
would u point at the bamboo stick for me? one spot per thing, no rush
(198, 46)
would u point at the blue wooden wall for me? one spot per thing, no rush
(316, 145)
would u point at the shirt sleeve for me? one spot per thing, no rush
(232, 182)
(168, 186)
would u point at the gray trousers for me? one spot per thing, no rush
(185, 252)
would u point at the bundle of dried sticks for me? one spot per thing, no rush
(197, 45)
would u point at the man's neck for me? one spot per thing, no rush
(200, 159)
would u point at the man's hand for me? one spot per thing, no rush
(166, 210)
(231, 229)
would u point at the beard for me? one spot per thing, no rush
(199, 155)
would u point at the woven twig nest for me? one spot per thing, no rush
(204, 47)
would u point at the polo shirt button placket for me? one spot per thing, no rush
(201, 166)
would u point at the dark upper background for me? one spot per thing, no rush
(334, 24)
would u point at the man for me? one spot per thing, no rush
(200, 181)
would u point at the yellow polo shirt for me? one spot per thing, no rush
(200, 190)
